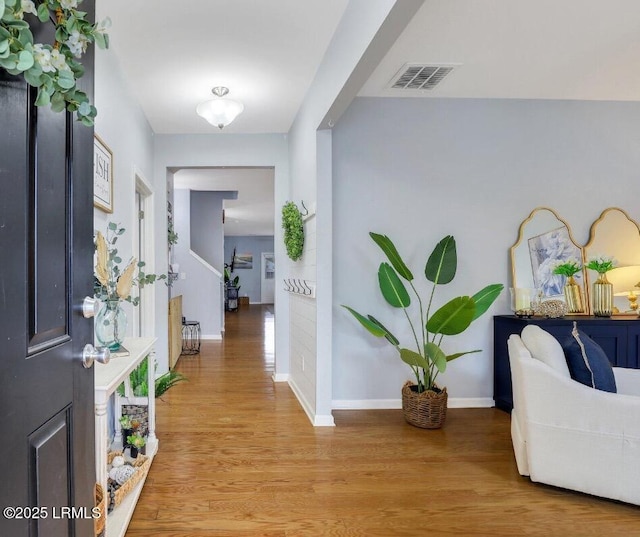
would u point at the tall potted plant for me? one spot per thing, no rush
(423, 402)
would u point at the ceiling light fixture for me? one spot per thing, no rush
(219, 111)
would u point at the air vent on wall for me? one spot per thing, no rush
(414, 76)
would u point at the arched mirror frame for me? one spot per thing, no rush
(580, 253)
(590, 249)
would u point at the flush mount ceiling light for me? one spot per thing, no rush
(220, 111)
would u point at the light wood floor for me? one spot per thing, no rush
(238, 457)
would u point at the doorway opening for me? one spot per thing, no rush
(143, 318)
(267, 278)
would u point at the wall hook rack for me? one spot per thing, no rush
(299, 286)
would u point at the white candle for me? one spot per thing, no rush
(523, 298)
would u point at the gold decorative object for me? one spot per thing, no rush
(573, 296)
(553, 309)
(602, 296)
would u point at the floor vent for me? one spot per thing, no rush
(414, 76)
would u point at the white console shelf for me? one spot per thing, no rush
(107, 379)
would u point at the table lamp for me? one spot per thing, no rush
(625, 280)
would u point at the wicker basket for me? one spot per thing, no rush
(427, 410)
(101, 503)
(141, 464)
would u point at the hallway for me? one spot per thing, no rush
(238, 457)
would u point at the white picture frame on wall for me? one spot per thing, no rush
(102, 175)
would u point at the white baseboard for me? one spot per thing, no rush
(215, 337)
(316, 420)
(280, 377)
(324, 421)
(470, 402)
(386, 404)
(366, 404)
(301, 399)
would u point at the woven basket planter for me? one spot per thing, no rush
(427, 410)
(141, 464)
(101, 503)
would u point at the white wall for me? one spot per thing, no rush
(198, 284)
(419, 169)
(351, 55)
(220, 149)
(122, 125)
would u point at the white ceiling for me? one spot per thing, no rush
(267, 52)
(252, 212)
(524, 49)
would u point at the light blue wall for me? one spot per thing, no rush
(207, 233)
(249, 278)
(419, 169)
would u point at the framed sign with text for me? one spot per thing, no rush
(102, 175)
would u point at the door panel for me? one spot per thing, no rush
(48, 229)
(49, 471)
(46, 247)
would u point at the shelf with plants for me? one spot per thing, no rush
(107, 379)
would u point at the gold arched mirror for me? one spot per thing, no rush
(615, 234)
(544, 241)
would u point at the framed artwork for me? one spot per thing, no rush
(546, 250)
(243, 261)
(102, 175)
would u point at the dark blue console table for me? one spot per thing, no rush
(619, 336)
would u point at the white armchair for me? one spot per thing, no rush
(573, 436)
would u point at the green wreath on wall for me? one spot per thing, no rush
(53, 68)
(293, 230)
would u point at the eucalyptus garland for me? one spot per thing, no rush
(293, 230)
(51, 68)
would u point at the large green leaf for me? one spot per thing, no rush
(369, 325)
(443, 262)
(392, 287)
(25, 60)
(392, 254)
(413, 359)
(66, 80)
(458, 354)
(436, 355)
(390, 337)
(42, 99)
(452, 318)
(43, 12)
(486, 297)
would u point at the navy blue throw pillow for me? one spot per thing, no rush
(587, 362)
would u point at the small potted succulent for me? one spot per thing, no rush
(136, 443)
(129, 427)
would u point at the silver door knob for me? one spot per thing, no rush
(90, 307)
(91, 354)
